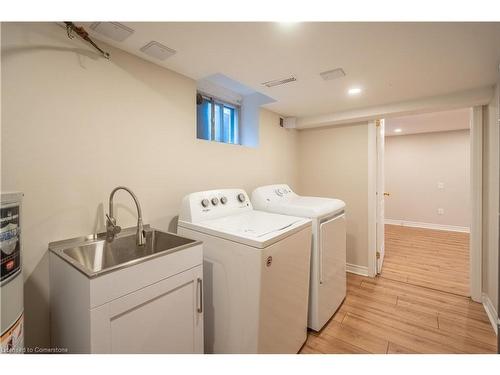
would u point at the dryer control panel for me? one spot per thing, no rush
(281, 199)
(211, 204)
(266, 195)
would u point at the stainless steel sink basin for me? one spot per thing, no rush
(94, 255)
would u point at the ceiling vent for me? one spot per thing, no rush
(278, 82)
(113, 30)
(158, 50)
(332, 74)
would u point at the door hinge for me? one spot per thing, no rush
(378, 254)
(377, 123)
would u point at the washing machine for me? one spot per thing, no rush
(256, 273)
(328, 251)
(11, 278)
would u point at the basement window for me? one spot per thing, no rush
(217, 120)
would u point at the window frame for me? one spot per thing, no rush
(214, 100)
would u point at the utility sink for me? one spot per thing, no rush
(110, 295)
(94, 255)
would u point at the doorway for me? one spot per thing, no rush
(425, 224)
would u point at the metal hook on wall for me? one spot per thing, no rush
(82, 33)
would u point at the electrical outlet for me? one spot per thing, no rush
(440, 211)
(440, 185)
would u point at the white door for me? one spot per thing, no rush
(165, 317)
(380, 194)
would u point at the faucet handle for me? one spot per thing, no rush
(110, 220)
(111, 225)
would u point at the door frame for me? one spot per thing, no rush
(476, 198)
(372, 198)
(380, 193)
(476, 203)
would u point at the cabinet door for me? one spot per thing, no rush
(165, 317)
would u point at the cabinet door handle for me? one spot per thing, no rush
(199, 290)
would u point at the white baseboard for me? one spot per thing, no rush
(416, 224)
(358, 270)
(491, 312)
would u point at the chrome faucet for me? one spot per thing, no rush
(112, 229)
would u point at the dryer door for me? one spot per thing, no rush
(332, 259)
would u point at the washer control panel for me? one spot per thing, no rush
(212, 204)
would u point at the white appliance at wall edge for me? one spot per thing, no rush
(11, 277)
(256, 273)
(328, 255)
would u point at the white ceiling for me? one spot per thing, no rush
(429, 122)
(392, 62)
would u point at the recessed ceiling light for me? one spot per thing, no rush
(287, 24)
(398, 130)
(354, 91)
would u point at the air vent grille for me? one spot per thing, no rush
(279, 82)
(332, 74)
(158, 50)
(112, 30)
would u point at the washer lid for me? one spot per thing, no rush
(312, 207)
(254, 228)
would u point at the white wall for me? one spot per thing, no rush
(415, 164)
(333, 162)
(491, 199)
(74, 126)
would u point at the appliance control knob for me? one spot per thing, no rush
(223, 200)
(205, 202)
(215, 201)
(279, 192)
(241, 197)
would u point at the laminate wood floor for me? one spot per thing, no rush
(418, 304)
(434, 259)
